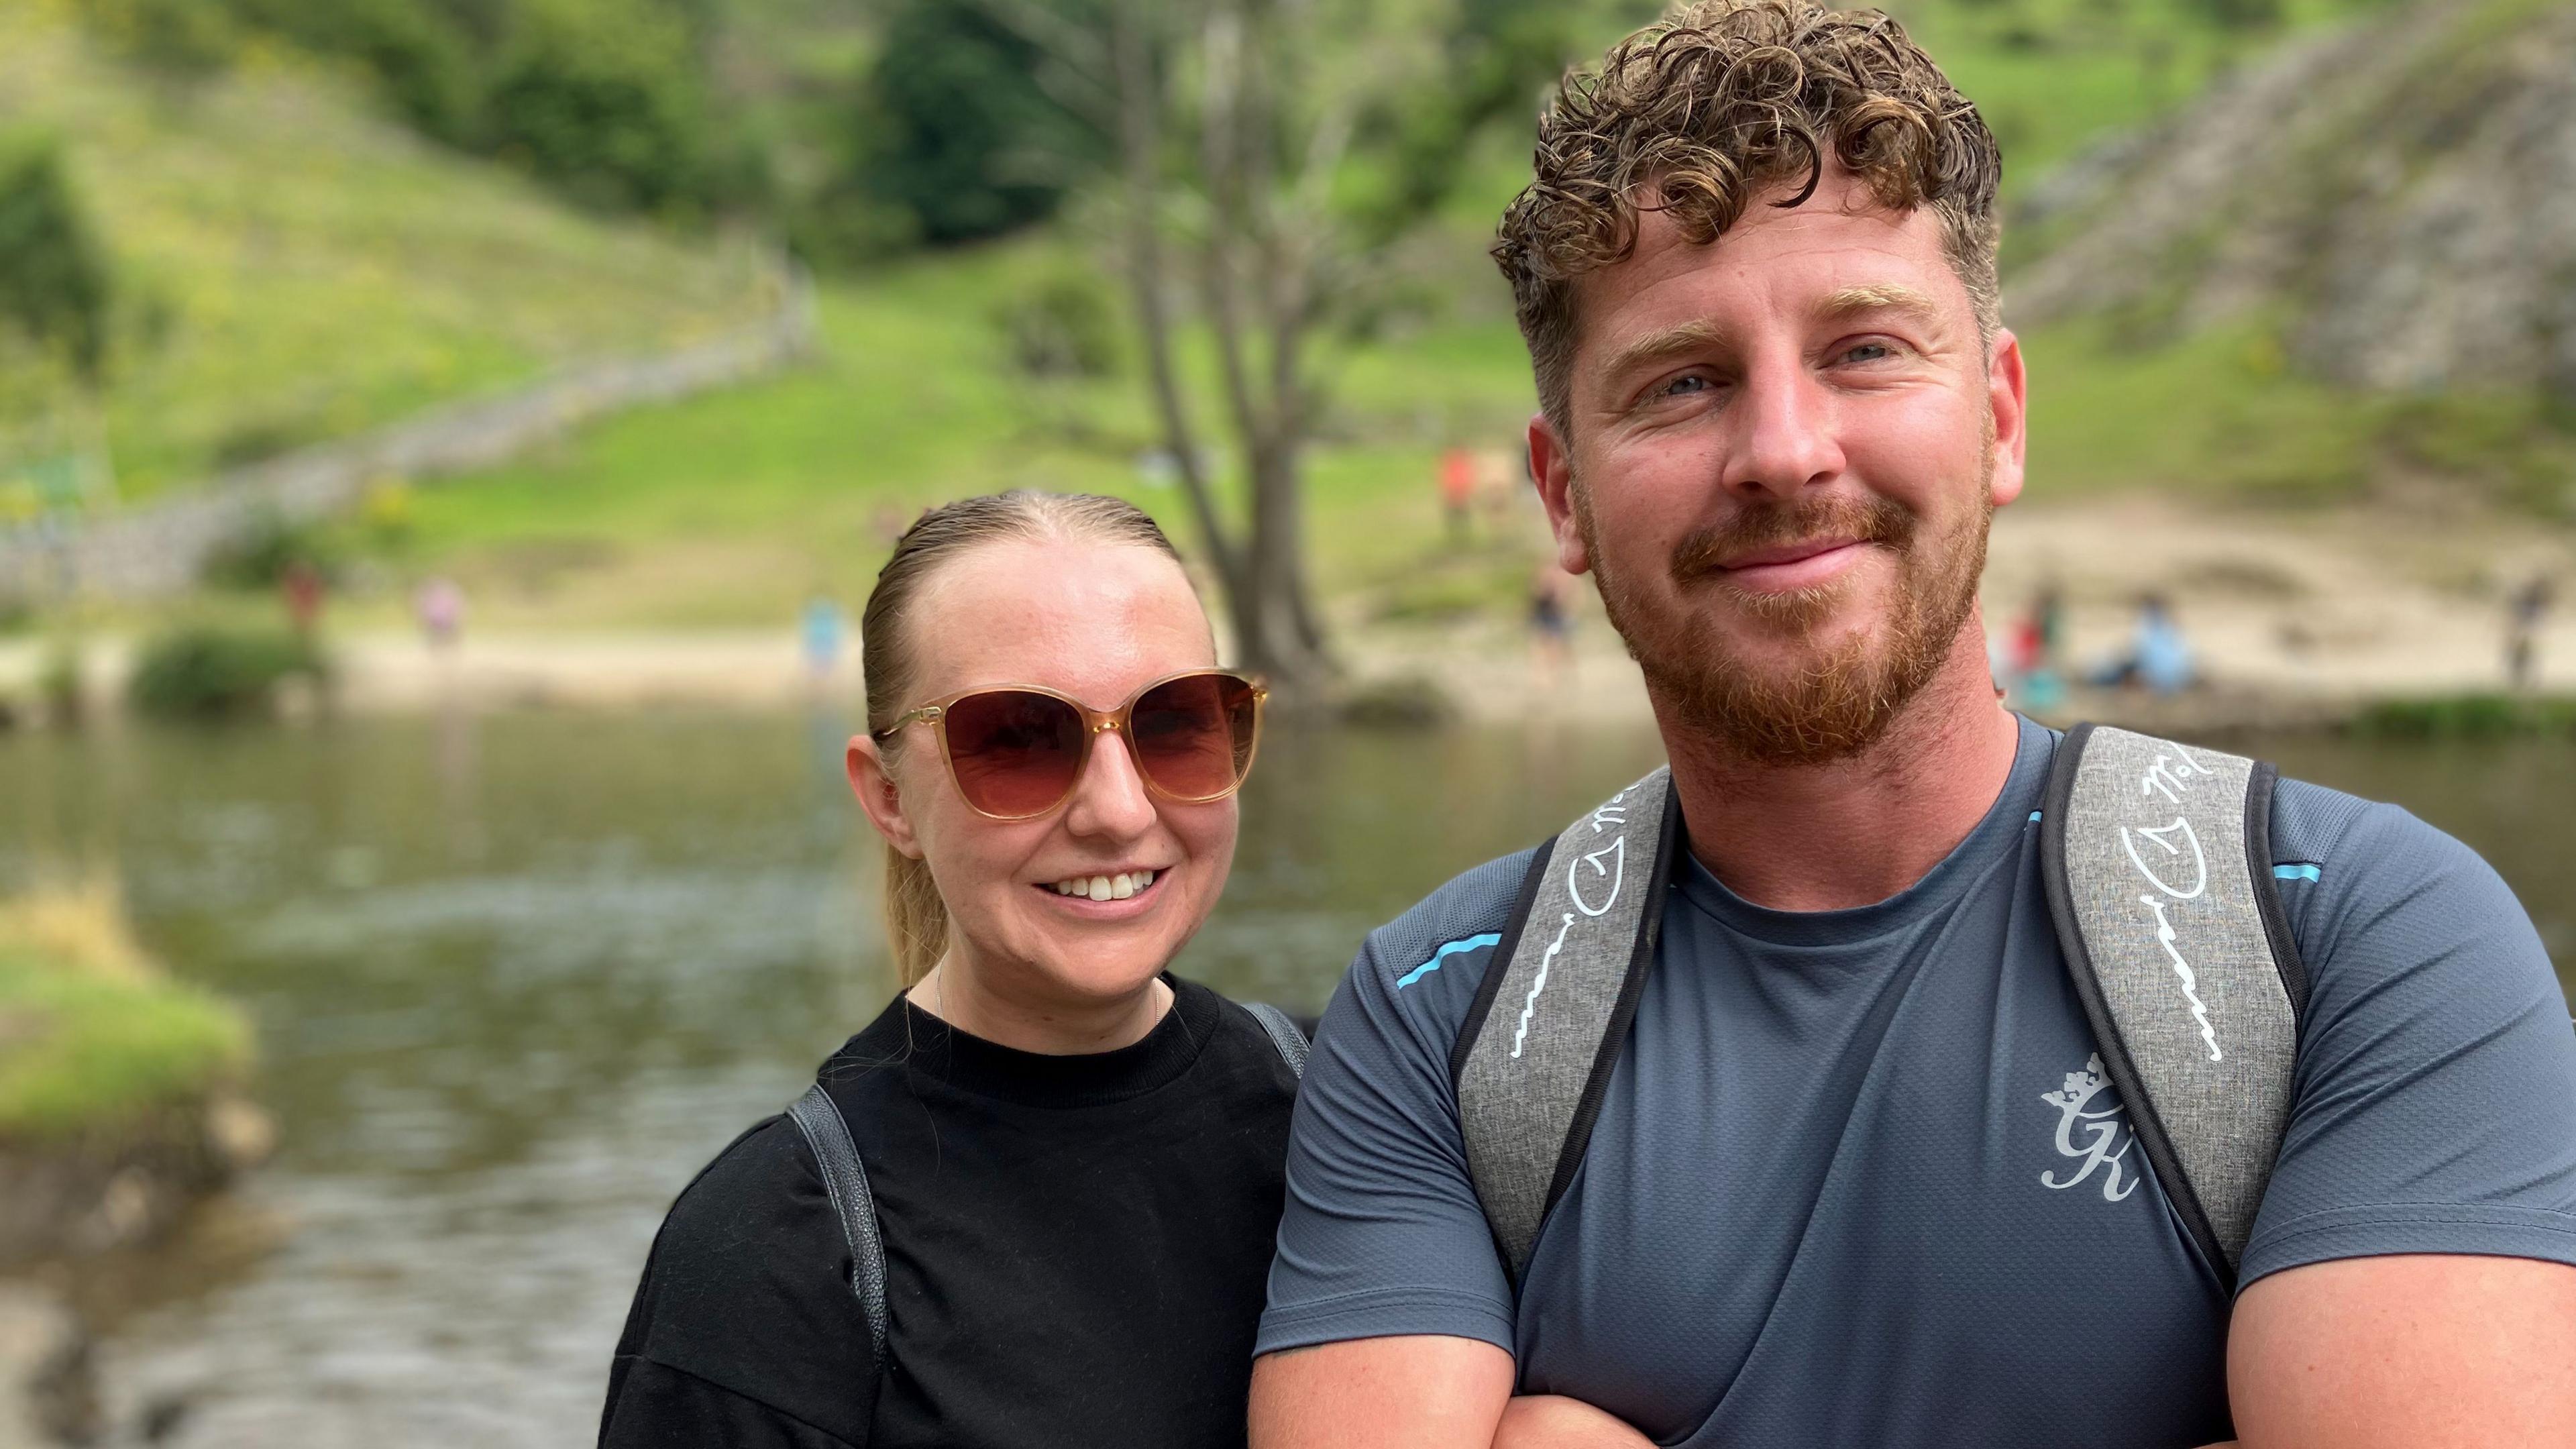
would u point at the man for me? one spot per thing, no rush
(1857, 1178)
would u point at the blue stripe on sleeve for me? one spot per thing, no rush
(1490, 938)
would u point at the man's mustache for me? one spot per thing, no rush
(1872, 520)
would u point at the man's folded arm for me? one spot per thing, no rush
(1416, 1391)
(2411, 1279)
(2408, 1351)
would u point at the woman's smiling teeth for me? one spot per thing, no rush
(1106, 887)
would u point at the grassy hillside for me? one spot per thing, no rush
(293, 267)
(726, 510)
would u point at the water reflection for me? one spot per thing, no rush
(517, 977)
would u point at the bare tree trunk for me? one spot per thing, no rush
(1140, 144)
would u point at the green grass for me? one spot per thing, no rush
(2468, 716)
(293, 267)
(85, 1052)
(726, 510)
(93, 1037)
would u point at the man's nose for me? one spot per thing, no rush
(1110, 800)
(1785, 435)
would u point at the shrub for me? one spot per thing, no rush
(420, 53)
(55, 285)
(956, 129)
(210, 674)
(2466, 716)
(260, 557)
(184, 40)
(1065, 326)
(603, 99)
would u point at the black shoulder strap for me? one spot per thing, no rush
(828, 1133)
(1283, 1035)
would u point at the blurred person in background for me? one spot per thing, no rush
(2523, 613)
(1457, 491)
(2159, 657)
(1821, 1187)
(301, 586)
(439, 608)
(1074, 1156)
(1551, 622)
(819, 626)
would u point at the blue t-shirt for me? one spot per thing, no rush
(1859, 1178)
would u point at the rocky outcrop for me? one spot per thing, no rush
(48, 1396)
(111, 1188)
(2400, 196)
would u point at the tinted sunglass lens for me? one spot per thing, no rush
(1014, 753)
(1193, 736)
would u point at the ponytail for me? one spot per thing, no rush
(916, 919)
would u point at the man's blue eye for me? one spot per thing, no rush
(1874, 351)
(1684, 386)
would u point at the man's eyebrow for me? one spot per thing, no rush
(1860, 301)
(1679, 340)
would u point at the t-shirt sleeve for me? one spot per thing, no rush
(2435, 1096)
(744, 1330)
(1382, 1233)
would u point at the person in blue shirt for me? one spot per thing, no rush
(1858, 1177)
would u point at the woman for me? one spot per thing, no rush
(1075, 1157)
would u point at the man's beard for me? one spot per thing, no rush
(1837, 703)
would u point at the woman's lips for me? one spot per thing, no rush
(1793, 567)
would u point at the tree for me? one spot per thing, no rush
(1246, 132)
(55, 285)
(961, 135)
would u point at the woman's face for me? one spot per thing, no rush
(1097, 622)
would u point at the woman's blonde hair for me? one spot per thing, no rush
(916, 916)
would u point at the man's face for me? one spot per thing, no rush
(1785, 449)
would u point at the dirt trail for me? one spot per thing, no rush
(2296, 614)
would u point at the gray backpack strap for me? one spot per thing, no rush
(828, 1133)
(2157, 861)
(1283, 1034)
(1537, 1049)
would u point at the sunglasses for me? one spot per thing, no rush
(1016, 752)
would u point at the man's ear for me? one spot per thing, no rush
(872, 780)
(2008, 394)
(1551, 466)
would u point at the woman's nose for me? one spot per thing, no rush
(1110, 799)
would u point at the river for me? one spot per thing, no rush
(517, 977)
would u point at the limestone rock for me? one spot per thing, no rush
(2401, 195)
(48, 1397)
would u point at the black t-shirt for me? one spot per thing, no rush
(1076, 1251)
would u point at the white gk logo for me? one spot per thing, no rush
(2104, 1133)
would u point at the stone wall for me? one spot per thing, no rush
(160, 549)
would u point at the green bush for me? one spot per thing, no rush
(1064, 326)
(2466, 717)
(202, 673)
(55, 284)
(604, 100)
(260, 557)
(420, 51)
(956, 129)
(184, 40)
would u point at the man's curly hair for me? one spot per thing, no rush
(1717, 104)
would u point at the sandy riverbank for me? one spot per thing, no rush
(2293, 615)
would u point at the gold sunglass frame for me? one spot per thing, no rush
(1094, 724)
